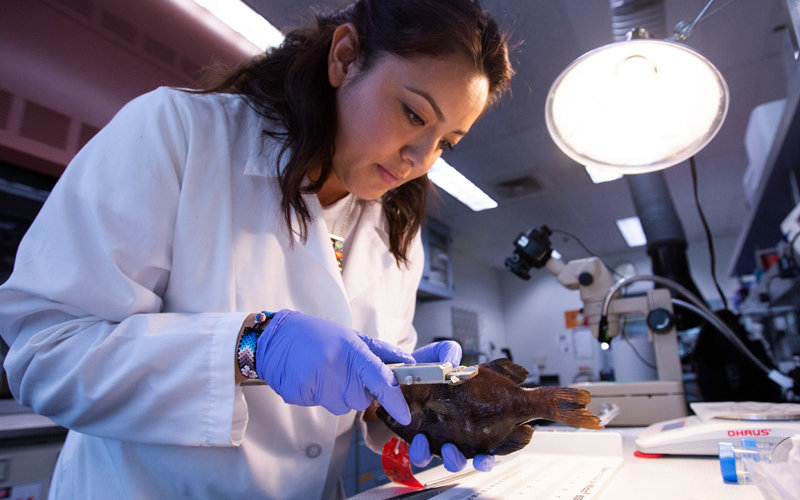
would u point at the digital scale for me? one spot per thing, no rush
(713, 423)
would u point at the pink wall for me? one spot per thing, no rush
(68, 65)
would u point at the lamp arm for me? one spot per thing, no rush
(683, 30)
(697, 305)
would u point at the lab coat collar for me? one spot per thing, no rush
(318, 244)
(366, 248)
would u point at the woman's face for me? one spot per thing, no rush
(395, 120)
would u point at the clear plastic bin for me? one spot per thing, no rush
(773, 468)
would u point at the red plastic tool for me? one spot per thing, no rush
(396, 464)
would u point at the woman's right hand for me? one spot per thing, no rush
(311, 361)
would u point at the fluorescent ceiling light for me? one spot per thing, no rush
(451, 180)
(599, 175)
(244, 20)
(631, 229)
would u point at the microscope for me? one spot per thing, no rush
(640, 403)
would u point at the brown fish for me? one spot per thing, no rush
(488, 413)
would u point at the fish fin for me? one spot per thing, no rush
(442, 407)
(508, 368)
(519, 437)
(568, 406)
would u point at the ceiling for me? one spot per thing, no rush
(745, 40)
(57, 54)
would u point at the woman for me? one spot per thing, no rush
(131, 312)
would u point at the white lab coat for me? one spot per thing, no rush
(129, 290)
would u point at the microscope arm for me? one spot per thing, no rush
(591, 277)
(602, 309)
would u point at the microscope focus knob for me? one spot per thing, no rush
(660, 320)
(585, 279)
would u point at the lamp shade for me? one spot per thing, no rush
(636, 106)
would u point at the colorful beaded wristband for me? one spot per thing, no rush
(246, 354)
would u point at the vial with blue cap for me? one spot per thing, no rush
(773, 467)
(734, 460)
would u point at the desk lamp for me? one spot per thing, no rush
(637, 105)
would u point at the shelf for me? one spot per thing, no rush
(774, 199)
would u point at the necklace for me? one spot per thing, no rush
(337, 237)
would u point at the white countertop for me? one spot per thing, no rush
(628, 477)
(670, 477)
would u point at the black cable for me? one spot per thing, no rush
(578, 240)
(585, 248)
(709, 239)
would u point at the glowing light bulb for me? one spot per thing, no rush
(636, 106)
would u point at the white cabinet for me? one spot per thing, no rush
(437, 277)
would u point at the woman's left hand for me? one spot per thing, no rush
(446, 351)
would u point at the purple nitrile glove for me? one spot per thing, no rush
(446, 351)
(311, 361)
(420, 455)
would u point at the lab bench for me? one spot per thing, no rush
(601, 465)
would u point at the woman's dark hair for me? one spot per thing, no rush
(289, 86)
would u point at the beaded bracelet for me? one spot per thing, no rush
(246, 353)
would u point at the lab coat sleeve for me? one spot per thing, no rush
(82, 312)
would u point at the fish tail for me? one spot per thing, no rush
(566, 405)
